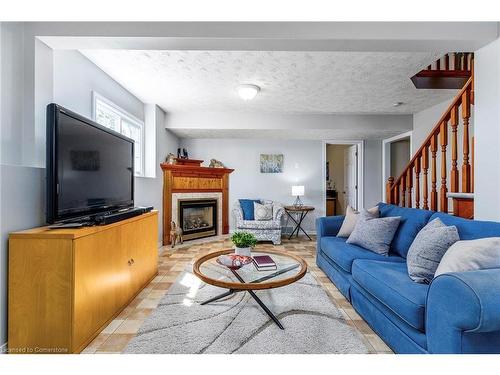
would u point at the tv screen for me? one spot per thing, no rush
(90, 169)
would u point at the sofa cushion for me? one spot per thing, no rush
(389, 283)
(470, 229)
(343, 254)
(412, 220)
(247, 208)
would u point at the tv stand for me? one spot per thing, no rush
(66, 285)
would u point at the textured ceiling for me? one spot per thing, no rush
(291, 82)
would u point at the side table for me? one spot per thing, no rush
(301, 212)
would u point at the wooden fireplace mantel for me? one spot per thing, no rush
(191, 177)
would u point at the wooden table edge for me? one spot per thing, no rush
(248, 286)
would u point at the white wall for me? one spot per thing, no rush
(400, 156)
(487, 130)
(149, 191)
(303, 165)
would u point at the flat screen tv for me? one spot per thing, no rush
(90, 168)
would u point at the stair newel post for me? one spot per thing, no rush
(466, 169)
(425, 184)
(443, 140)
(454, 148)
(409, 185)
(417, 182)
(403, 189)
(434, 194)
(388, 190)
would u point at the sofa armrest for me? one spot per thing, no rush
(238, 214)
(278, 212)
(328, 225)
(462, 307)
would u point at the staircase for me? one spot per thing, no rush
(418, 185)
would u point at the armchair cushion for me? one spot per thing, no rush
(259, 224)
(247, 208)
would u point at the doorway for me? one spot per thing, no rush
(343, 176)
(396, 153)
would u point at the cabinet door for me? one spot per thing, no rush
(102, 279)
(141, 240)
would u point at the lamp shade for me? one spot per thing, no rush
(298, 190)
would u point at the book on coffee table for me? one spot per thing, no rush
(264, 263)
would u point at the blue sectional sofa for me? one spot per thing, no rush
(456, 313)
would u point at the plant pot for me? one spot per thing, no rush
(244, 251)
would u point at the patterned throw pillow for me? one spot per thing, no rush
(374, 234)
(263, 212)
(428, 248)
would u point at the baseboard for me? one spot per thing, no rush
(3, 348)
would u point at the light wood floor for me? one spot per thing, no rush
(120, 331)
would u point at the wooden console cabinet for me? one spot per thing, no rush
(66, 285)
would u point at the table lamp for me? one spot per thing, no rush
(297, 191)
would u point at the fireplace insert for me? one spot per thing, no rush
(197, 217)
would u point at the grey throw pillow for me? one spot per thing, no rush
(350, 220)
(480, 254)
(427, 249)
(374, 234)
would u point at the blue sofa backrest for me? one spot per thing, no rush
(412, 220)
(470, 229)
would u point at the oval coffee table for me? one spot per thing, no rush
(289, 268)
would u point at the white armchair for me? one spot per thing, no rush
(263, 230)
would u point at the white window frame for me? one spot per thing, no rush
(124, 115)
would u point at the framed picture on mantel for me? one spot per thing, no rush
(271, 163)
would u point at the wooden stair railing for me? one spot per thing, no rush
(449, 72)
(400, 191)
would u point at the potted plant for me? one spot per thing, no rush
(243, 243)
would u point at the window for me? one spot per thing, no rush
(113, 117)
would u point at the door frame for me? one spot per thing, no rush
(386, 157)
(360, 180)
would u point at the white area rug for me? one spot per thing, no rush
(236, 324)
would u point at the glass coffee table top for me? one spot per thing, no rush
(289, 268)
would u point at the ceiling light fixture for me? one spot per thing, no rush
(248, 91)
(397, 104)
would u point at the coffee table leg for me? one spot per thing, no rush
(228, 293)
(258, 300)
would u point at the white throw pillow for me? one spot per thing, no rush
(483, 253)
(350, 220)
(263, 212)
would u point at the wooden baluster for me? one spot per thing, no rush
(388, 190)
(472, 167)
(454, 148)
(438, 64)
(433, 172)
(447, 62)
(417, 182)
(466, 185)
(425, 184)
(396, 194)
(409, 185)
(403, 190)
(443, 138)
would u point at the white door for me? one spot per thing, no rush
(351, 176)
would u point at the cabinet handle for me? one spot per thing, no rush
(129, 262)
(133, 261)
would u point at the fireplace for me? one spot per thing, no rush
(197, 217)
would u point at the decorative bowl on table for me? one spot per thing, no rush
(234, 261)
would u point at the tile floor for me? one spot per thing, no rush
(172, 262)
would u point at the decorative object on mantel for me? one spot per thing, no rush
(188, 176)
(298, 191)
(271, 163)
(214, 163)
(175, 234)
(243, 243)
(170, 159)
(182, 154)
